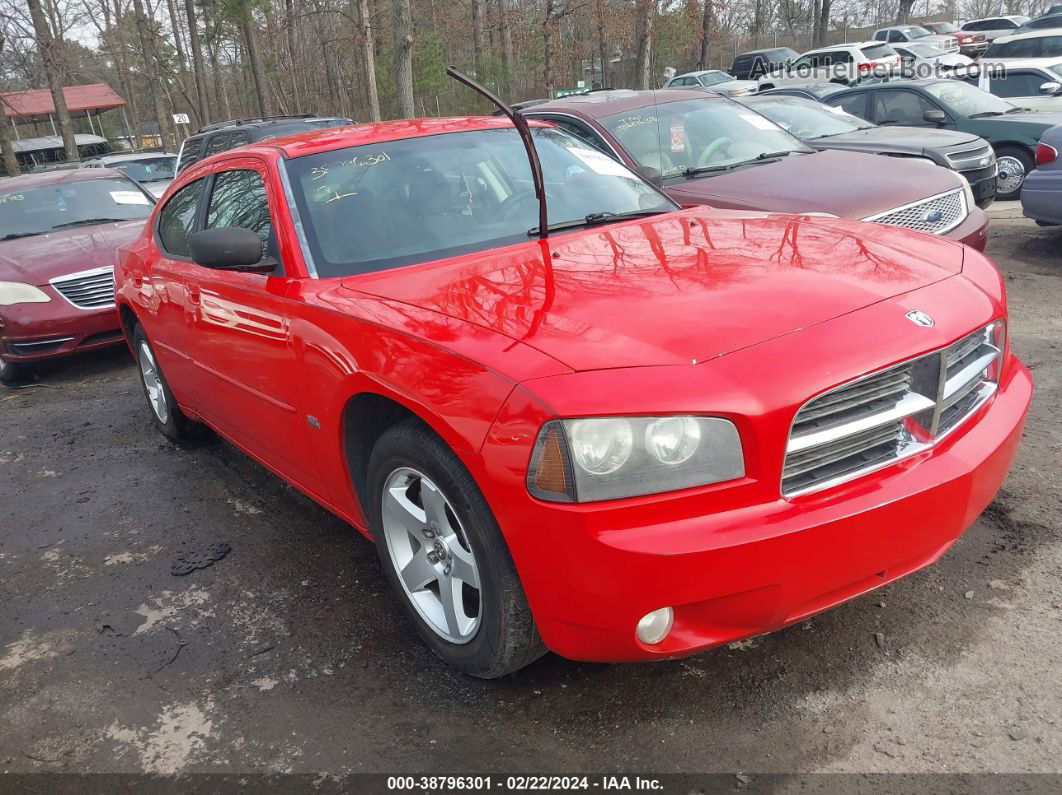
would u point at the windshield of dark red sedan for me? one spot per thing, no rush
(697, 133)
(63, 205)
(374, 207)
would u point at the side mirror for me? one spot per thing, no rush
(229, 248)
(935, 117)
(1051, 89)
(652, 175)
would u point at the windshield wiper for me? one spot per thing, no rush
(985, 113)
(90, 221)
(762, 157)
(17, 235)
(594, 219)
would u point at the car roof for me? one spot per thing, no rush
(1030, 63)
(766, 49)
(920, 82)
(700, 72)
(1011, 17)
(1029, 34)
(857, 45)
(605, 103)
(122, 157)
(8, 184)
(367, 134)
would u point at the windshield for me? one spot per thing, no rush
(34, 211)
(925, 50)
(697, 133)
(916, 32)
(967, 100)
(808, 120)
(944, 27)
(714, 78)
(149, 169)
(381, 206)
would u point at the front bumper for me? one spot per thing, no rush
(974, 50)
(33, 332)
(754, 569)
(973, 231)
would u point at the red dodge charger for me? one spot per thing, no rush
(639, 433)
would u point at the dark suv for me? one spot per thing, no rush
(225, 135)
(756, 63)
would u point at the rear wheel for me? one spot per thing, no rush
(165, 412)
(1014, 166)
(445, 557)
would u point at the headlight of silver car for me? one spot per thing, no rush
(608, 458)
(19, 293)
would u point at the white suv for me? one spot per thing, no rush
(904, 34)
(842, 63)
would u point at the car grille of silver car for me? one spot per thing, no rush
(971, 159)
(936, 215)
(92, 289)
(889, 415)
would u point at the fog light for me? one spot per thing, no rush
(653, 627)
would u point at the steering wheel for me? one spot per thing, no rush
(514, 202)
(711, 149)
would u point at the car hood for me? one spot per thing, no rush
(675, 289)
(37, 259)
(895, 139)
(1039, 117)
(847, 184)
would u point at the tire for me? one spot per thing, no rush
(165, 413)
(1012, 157)
(412, 462)
(13, 372)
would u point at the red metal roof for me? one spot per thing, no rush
(38, 101)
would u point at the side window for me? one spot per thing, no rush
(856, 104)
(238, 139)
(895, 35)
(842, 56)
(219, 143)
(239, 199)
(177, 219)
(1017, 84)
(582, 133)
(1052, 46)
(900, 107)
(880, 35)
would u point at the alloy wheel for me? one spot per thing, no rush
(1011, 174)
(431, 555)
(149, 372)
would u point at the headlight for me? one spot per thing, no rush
(19, 293)
(608, 458)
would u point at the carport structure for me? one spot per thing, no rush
(35, 106)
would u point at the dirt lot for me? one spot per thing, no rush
(289, 655)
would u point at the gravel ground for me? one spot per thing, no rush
(289, 654)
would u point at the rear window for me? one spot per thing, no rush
(190, 152)
(47, 208)
(872, 52)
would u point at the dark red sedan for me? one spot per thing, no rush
(58, 235)
(650, 432)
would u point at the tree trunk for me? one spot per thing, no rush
(903, 11)
(478, 36)
(823, 21)
(151, 68)
(10, 162)
(644, 62)
(707, 26)
(602, 44)
(548, 25)
(368, 59)
(197, 61)
(261, 91)
(403, 60)
(505, 33)
(46, 43)
(125, 79)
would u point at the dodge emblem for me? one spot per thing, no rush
(920, 318)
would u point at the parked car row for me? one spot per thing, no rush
(443, 331)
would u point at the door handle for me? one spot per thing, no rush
(193, 295)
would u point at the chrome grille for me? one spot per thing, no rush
(971, 159)
(878, 419)
(92, 289)
(936, 215)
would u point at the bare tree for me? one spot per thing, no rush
(368, 58)
(11, 167)
(646, 11)
(707, 26)
(49, 47)
(403, 23)
(197, 60)
(153, 69)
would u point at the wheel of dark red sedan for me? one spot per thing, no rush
(445, 557)
(1014, 165)
(13, 372)
(165, 412)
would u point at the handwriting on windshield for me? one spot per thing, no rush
(357, 161)
(11, 197)
(634, 121)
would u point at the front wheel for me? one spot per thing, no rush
(13, 372)
(445, 557)
(1014, 165)
(165, 412)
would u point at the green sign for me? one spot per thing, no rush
(571, 92)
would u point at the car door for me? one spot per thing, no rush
(901, 108)
(239, 330)
(161, 286)
(1017, 83)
